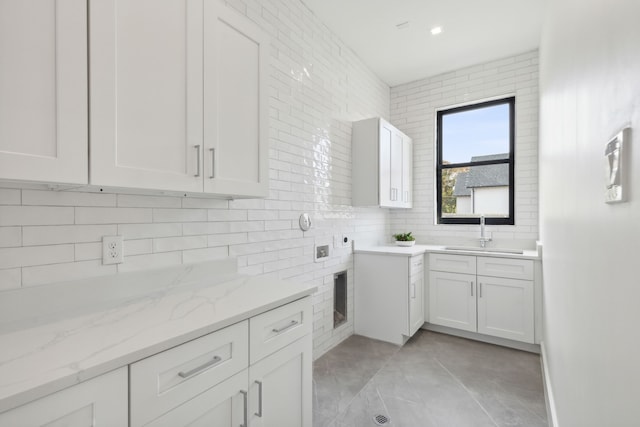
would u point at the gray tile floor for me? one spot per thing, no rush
(435, 380)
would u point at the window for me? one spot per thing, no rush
(475, 163)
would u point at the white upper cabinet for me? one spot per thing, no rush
(146, 94)
(235, 104)
(382, 163)
(43, 91)
(407, 172)
(178, 97)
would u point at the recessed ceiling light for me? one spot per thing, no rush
(436, 30)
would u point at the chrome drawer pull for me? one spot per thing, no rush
(213, 163)
(259, 413)
(197, 147)
(284, 328)
(210, 363)
(246, 409)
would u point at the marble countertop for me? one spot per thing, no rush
(421, 249)
(83, 329)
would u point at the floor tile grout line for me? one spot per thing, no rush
(365, 386)
(468, 391)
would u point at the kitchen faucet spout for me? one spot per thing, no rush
(483, 238)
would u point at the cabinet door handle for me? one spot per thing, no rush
(213, 163)
(246, 408)
(472, 288)
(480, 293)
(413, 291)
(284, 328)
(197, 147)
(259, 413)
(210, 363)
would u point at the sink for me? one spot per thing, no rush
(485, 250)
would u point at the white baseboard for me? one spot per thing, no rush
(532, 348)
(548, 392)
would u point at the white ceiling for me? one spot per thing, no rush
(474, 31)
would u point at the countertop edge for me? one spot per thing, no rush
(422, 249)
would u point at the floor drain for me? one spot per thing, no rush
(381, 420)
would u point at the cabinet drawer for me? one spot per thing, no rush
(168, 379)
(465, 264)
(506, 267)
(416, 265)
(279, 327)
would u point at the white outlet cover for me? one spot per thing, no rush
(112, 247)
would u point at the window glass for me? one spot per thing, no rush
(473, 133)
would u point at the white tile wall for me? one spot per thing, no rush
(317, 87)
(413, 107)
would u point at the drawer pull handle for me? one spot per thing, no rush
(284, 328)
(246, 408)
(259, 413)
(210, 363)
(213, 163)
(197, 147)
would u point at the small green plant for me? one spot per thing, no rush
(404, 237)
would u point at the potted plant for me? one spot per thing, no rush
(404, 239)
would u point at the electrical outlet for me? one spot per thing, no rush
(112, 250)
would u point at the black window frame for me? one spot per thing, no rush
(510, 220)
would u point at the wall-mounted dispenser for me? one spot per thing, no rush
(616, 169)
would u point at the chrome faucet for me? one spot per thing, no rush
(483, 238)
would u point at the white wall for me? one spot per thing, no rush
(491, 200)
(317, 87)
(413, 107)
(590, 88)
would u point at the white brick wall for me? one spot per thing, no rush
(317, 87)
(413, 107)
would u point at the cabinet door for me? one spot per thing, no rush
(505, 308)
(416, 299)
(235, 104)
(220, 406)
(396, 169)
(146, 94)
(385, 144)
(280, 387)
(452, 300)
(99, 402)
(407, 172)
(43, 91)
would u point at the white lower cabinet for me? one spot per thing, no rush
(255, 373)
(452, 300)
(281, 387)
(99, 402)
(505, 308)
(500, 302)
(389, 296)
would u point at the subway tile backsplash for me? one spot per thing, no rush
(317, 88)
(413, 107)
